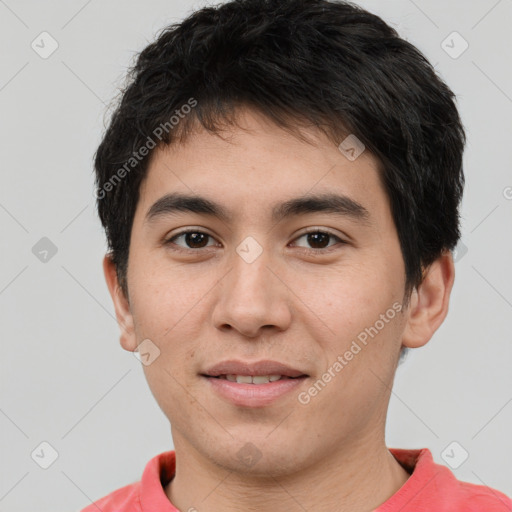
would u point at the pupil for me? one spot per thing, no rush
(313, 240)
(195, 238)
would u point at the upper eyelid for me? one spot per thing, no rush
(317, 230)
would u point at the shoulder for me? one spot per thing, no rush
(476, 498)
(467, 497)
(149, 490)
(123, 499)
(434, 487)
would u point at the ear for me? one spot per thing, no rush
(121, 305)
(428, 306)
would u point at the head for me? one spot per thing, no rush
(252, 108)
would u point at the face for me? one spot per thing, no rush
(316, 286)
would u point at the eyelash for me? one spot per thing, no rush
(170, 242)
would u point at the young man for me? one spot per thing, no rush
(280, 187)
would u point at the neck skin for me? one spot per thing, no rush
(357, 478)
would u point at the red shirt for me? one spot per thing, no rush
(430, 488)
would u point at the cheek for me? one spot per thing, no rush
(167, 312)
(349, 297)
(360, 306)
(165, 297)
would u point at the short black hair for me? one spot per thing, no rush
(329, 65)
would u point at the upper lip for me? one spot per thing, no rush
(264, 367)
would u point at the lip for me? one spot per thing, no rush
(253, 395)
(263, 367)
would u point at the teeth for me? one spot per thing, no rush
(244, 379)
(257, 379)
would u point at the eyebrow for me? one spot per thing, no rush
(341, 205)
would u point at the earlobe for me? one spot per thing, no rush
(429, 302)
(121, 305)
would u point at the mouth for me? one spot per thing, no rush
(254, 379)
(253, 383)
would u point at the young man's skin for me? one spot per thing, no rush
(288, 305)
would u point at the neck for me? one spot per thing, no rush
(359, 477)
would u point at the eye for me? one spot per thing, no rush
(318, 240)
(193, 239)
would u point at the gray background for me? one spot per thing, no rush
(65, 379)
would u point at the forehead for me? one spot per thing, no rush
(257, 165)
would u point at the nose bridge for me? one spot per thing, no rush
(250, 295)
(249, 283)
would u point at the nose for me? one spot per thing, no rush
(252, 298)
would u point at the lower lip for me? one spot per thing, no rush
(254, 395)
